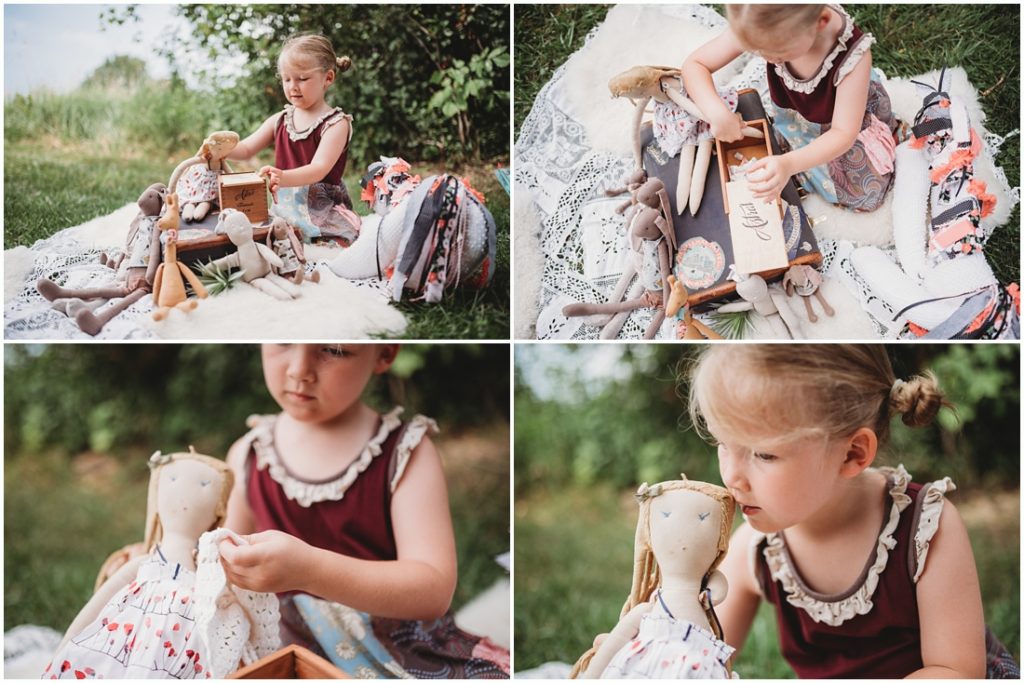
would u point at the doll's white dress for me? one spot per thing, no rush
(147, 630)
(666, 647)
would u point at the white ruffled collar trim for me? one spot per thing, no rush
(306, 493)
(809, 85)
(332, 116)
(834, 610)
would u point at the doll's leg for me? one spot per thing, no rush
(288, 286)
(273, 290)
(91, 324)
(188, 212)
(656, 321)
(201, 209)
(52, 291)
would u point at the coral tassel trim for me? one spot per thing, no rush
(960, 158)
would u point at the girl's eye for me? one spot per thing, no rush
(334, 352)
(765, 457)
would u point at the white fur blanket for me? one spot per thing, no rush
(576, 142)
(332, 309)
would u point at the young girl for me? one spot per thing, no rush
(829, 106)
(870, 575)
(310, 139)
(351, 507)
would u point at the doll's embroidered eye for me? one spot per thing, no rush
(703, 515)
(665, 513)
(172, 477)
(205, 483)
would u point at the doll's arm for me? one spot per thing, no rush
(418, 585)
(949, 605)
(332, 144)
(268, 254)
(697, 69)
(155, 254)
(264, 135)
(736, 612)
(624, 631)
(121, 578)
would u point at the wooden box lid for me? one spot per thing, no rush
(293, 661)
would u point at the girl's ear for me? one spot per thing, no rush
(861, 450)
(823, 20)
(385, 357)
(330, 77)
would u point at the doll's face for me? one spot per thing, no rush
(188, 494)
(684, 529)
(318, 383)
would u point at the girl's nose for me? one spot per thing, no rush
(301, 363)
(730, 467)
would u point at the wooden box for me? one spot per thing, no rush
(246, 192)
(293, 661)
(748, 149)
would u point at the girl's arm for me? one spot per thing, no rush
(239, 518)
(847, 117)
(264, 135)
(332, 144)
(726, 125)
(418, 585)
(737, 611)
(949, 605)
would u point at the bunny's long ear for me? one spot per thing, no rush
(667, 228)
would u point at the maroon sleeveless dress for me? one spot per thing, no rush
(350, 513)
(872, 629)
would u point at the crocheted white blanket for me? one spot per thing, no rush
(576, 142)
(334, 308)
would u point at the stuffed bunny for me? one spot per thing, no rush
(668, 627)
(256, 260)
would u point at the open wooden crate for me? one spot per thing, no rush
(293, 661)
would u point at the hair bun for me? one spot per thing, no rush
(344, 63)
(917, 399)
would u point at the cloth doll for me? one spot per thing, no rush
(158, 615)
(668, 627)
(283, 242)
(256, 260)
(169, 284)
(195, 179)
(136, 270)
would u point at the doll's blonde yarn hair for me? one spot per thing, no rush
(646, 575)
(772, 394)
(154, 530)
(316, 50)
(755, 24)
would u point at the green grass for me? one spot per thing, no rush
(984, 39)
(63, 517)
(573, 567)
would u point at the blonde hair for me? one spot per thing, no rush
(646, 574)
(753, 24)
(755, 391)
(154, 530)
(313, 48)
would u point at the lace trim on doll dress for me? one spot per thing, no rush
(327, 120)
(235, 624)
(306, 493)
(808, 86)
(857, 602)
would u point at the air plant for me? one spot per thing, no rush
(216, 280)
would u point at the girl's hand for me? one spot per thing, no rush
(274, 176)
(273, 562)
(728, 127)
(768, 176)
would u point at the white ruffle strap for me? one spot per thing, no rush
(859, 602)
(853, 58)
(934, 495)
(411, 437)
(809, 85)
(328, 119)
(234, 624)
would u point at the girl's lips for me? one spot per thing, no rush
(749, 509)
(297, 397)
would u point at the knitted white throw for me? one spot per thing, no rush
(234, 624)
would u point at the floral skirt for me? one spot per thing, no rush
(371, 647)
(862, 177)
(320, 210)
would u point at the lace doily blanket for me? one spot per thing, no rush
(575, 143)
(334, 308)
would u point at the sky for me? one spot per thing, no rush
(595, 364)
(57, 46)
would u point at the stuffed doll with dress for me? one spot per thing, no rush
(169, 612)
(668, 627)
